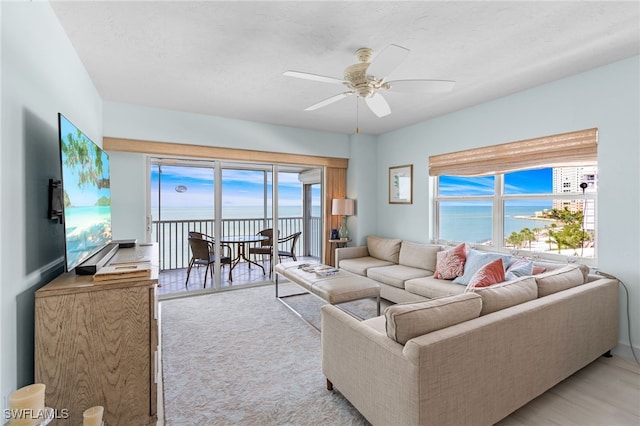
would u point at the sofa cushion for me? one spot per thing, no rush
(409, 320)
(506, 294)
(376, 323)
(432, 288)
(419, 255)
(360, 265)
(384, 248)
(475, 261)
(396, 275)
(559, 279)
(553, 266)
(489, 274)
(450, 262)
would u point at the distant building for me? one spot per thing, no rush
(567, 180)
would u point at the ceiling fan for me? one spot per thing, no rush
(367, 78)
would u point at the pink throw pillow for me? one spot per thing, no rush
(538, 270)
(450, 263)
(489, 274)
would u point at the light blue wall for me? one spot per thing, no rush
(607, 98)
(137, 122)
(362, 186)
(41, 76)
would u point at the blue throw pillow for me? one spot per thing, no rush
(475, 261)
(519, 268)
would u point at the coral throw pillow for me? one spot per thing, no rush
(450, 263)
(489, 274)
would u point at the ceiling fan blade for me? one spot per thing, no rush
(431, 86)
(378, 105)
(314, 77)
(387, 60)
(332, 99)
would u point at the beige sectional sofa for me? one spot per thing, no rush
(470, 358)
(405, 269)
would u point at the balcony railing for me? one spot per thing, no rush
(172, 236)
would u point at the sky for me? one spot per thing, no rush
(193, 187)
(538, 181)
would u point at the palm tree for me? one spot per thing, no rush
(528, 235)
(515, 239)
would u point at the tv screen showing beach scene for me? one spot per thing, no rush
(87, 194)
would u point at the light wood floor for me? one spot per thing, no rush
(604, 393)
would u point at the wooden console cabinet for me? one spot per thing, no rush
(96, 344)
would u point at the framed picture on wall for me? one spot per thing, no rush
(401, 184)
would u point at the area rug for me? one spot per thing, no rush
(242, 358)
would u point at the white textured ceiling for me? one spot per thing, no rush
(227, 58)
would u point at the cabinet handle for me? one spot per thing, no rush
(155, 366)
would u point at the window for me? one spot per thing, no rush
(544, 207)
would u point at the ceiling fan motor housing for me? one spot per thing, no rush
(356, 75)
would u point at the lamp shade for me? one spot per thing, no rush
(342, 207)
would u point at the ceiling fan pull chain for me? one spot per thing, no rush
(357, 116)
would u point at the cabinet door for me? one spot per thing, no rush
(92, 348)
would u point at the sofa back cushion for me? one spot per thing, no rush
(421, 256)
(560, 279)
(507, 294)
(408, 320)
(384, 248)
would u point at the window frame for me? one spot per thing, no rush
(498, 221)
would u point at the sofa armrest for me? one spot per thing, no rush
(368, 368)
(351, 253)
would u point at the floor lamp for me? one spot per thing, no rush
(343, 207)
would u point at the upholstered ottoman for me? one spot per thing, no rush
(339, 288)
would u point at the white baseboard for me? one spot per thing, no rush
(623, 350)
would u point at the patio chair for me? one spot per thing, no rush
(265, 247)
(202, 254)
(293, 240)
(227, 251)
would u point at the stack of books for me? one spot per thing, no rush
(326, 271)
(319, 269)
(123, 271)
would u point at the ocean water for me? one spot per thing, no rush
(228, 212)
(473, 224)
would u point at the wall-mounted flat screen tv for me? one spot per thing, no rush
(87, 194)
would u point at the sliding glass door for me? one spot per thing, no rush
(182, 201)
(232, 205)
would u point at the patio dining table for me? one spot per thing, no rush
(241, 241)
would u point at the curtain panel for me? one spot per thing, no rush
(335, 186)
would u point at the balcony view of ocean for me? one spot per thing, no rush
(228, 212)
